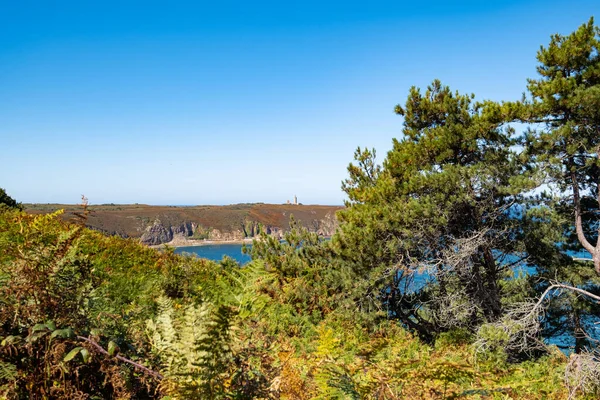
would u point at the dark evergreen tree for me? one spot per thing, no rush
(563, 142)
(443, 204)
(8, 201)
(566, 99)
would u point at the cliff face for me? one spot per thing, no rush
(157, 233)
(160, 233)
(328, 225)
(216, 234)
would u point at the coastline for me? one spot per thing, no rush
(180, 242)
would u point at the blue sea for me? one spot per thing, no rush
(216, 252)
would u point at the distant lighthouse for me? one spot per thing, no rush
(295, 200)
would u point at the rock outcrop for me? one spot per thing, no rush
(157, 233)
(275, 231)
(218, 235)
(328, 225)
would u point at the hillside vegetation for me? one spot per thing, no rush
(466, 265)
(83, 313)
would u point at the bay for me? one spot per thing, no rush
(216, 252)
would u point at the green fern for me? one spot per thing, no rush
(194, 348)
(8, 372)
(8, 377)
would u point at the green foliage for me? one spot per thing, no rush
(194, 349)
(44, 276)
(565, 99)
(8, 376)
(87, 284)
(281, 327)
(440, 203)
(201, 233)
(7, 202)
(309, 280)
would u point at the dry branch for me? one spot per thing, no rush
(101, 350)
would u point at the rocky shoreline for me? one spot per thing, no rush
(182, 242)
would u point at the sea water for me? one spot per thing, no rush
(216, 252)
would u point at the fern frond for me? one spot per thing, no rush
(194, 348)
(8, 372)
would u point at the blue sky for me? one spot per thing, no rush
(228, 102)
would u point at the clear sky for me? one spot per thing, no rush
(238, 101)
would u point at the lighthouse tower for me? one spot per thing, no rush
(295, 200)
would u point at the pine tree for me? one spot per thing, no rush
(563, 142)
(442, 203)
(566, 100)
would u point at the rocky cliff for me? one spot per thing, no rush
(160, 233)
